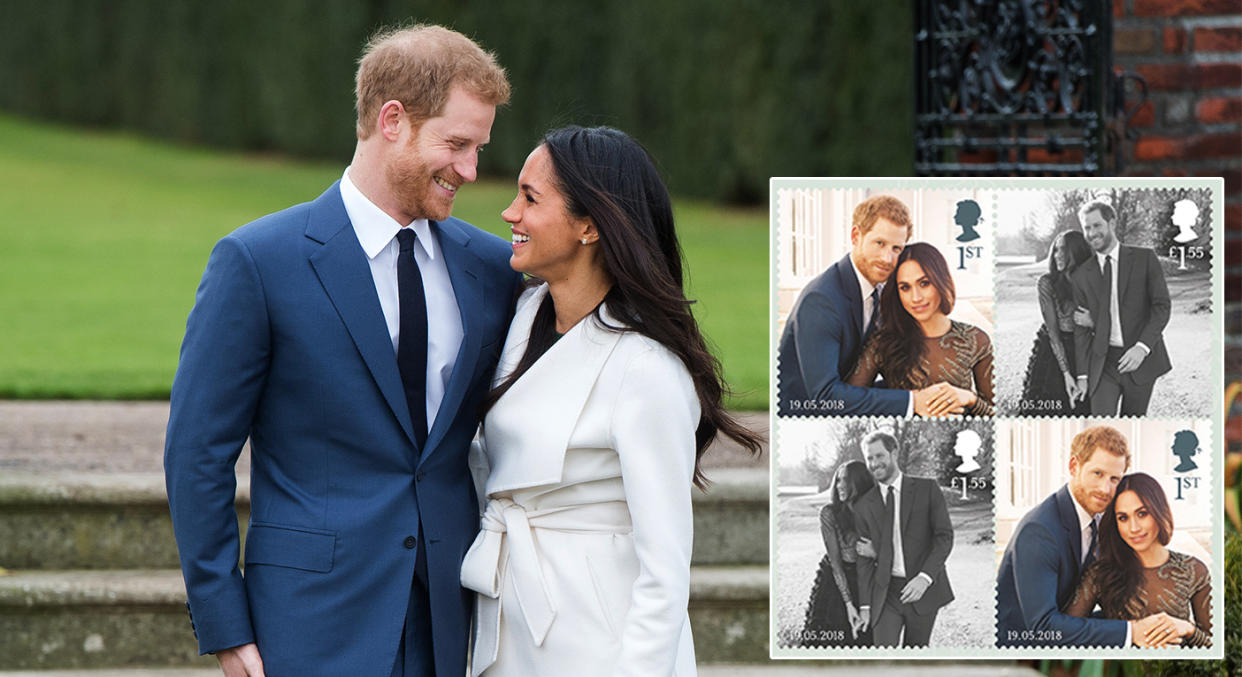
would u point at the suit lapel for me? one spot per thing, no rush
(853, 294)
(1069, 521)
(463, 269)
(342, 268)
(908, 499)
(1125, 267)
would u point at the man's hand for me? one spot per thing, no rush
(913, 592)
(864, 548)
(1131, 359)
(1082, 317)
(864, 618)
(1155, 631)
(241, 661)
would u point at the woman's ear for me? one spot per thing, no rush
(587, 234)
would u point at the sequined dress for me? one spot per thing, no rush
(961, 357)
(1180, 587)
(1052, 356)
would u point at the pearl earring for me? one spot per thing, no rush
(584, 240)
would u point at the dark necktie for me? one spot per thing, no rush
(875, 312)
(412, 341)
(1091, 547)
(1108, 298)
(890, 508)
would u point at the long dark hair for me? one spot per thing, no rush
(1077, 249)
(860, 482)
(900, 339)
(1121, 569)
(610, 178)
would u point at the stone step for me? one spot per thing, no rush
(76, 520)
(99, 619)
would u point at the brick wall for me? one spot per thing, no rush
(1190, 53)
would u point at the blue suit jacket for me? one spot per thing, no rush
(819, 346)
(1037, 578)
(287, 345)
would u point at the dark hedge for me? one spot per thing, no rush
(723, 94)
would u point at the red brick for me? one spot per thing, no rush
(1219, 109)
(1233, 250)
(1217, 75)
(1119, 9)
(1167, 76)
(1134, 41)
(1233, 288)
(1218, 39)
(1182, 7)
(1159, 148)
(1145, 117)
(1042, 156)
(1214, 145)
(1173, 172)
(1174, 40)
(1233, 218)
(976, 157)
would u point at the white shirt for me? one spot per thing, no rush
(871, 308)
(377, 233)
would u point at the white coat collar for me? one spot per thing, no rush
(528, 429)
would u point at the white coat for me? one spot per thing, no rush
(582, 566)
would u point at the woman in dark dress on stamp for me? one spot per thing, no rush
(1050, 372)
(1136, 575)
(917, 344)
(832, 617)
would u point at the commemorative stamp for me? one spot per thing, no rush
(1103, 300)
(883, 535)
(1039, 363)
(884, 302)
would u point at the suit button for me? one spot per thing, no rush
(410, 542)
(419, 476)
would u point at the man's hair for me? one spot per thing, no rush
(1099, 437)
(419, 66)
(886, 206)
(889, 442)
(1106, 210)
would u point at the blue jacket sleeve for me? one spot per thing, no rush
(223, 366)
(818, 330)
(1035, 579)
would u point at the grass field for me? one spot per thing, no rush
(104, 236)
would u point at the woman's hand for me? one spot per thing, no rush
(1082, 318)
(949, 399)
(864, 548)
(854, 618)
(1071, 387)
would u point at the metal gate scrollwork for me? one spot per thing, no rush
(1018, 87)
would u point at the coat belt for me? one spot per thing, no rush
(483, 570)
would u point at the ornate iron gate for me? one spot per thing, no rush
(1018, 87)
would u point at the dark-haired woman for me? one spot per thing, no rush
(1136, 575)
(1048, 386)
(832, 615)
(606, 397)
(917, 344)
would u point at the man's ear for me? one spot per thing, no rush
(854, 236)
(391, 117)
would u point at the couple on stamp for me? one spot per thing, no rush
(883, 310)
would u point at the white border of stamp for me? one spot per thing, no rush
(1215, 385)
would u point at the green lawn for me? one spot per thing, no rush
(104, 236)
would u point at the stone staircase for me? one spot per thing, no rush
(90, 579)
